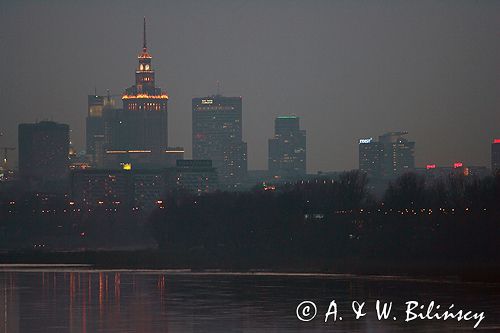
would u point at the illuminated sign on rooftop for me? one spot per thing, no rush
(496, 140)
(458, 165)
(366, 140)
(431, 166)
(207, 101)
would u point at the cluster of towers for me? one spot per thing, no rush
(394, 155)
(136, 135)
(389, 157)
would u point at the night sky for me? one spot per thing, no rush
(349, 69)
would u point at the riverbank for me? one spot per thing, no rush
(160, 260)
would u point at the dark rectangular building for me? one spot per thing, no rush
(287, 149)
(43, 151)
(196, 176)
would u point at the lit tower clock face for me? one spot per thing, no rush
(146, 68)
(141, 67)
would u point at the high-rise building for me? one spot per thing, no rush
(43, 151)
(142, 125)
(287, 149)
(495, 156)
(97, 105)
(390, 157)
(370, 152)
(217, 136)
(398, 154)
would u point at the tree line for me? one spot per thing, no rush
(322, 222)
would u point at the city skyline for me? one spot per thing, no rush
(459, 82)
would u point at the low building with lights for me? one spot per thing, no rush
(142, 159)
(435, 172)
(142, 188)
(139, 188)
(196, 176)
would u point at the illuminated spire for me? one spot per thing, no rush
(144, 47)
(144, 54)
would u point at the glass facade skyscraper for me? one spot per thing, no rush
(217, 136)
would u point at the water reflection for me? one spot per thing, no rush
(121, 301)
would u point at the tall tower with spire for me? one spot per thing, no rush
(137, 135)
(143, 95)
(144, 117)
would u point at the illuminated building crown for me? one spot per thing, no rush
(144, 95)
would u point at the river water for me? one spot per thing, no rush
(86, 300)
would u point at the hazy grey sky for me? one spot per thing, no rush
(349, 69)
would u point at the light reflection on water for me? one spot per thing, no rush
(159, 301)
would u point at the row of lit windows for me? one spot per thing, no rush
(214, 108)
(144, 106)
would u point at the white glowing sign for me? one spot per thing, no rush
(366, 140)
(207, 101)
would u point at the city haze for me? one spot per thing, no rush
(349, 69)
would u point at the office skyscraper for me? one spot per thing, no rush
(287, 150)
(495, 156)
(217, 136)
(43, 151)
(370, 152)
(398, 154)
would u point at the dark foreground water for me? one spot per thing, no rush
(68, 300)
